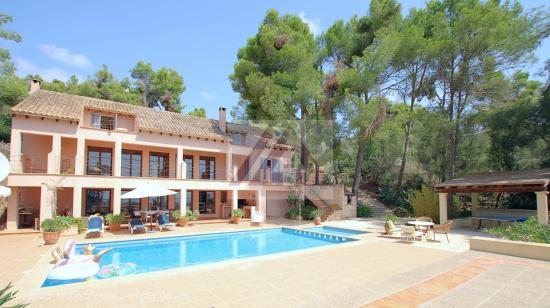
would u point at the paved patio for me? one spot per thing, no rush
(375, 271)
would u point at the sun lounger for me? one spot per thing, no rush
(95, 227)
(165, 224)
(136, 225)
(257, 219)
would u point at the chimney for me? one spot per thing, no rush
(34, 84)
(221, 120)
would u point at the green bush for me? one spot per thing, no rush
(426, 203)
(396, 197)
(364, 211)
(52, 225)
(176, 215)
(6, 296)
(528, 231)
(192, 215)
(115, 218)
(390, 217)
(306, 212)
(316, 213)
(237, 213)
(293, 213)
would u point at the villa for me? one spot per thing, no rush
(82, 153)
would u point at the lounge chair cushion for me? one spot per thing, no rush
(95, 224)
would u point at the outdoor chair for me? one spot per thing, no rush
(95, 227)
(443, 229)
(408, 232)
(257, 219)
(165, 224)
(136, 224)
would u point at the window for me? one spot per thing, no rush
(207, 204)
(131, 163)
(99, 161)
(207, 168)
(223, 197)
(236, 138)
(188, 159)
(103, 121)
(128, 206)
(177, 200)
(189, 200)
(158, 165)
(98, 201)
(158, 203)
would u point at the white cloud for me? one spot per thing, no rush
(25, 68)
(65, 56)
(207, 95)
(314, 24)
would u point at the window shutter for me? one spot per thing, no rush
(96, 120)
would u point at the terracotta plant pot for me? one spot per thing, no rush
(51, 238)
(387, 228)
(183, 222)
(317, 221)
(114, 227)
(235, 219)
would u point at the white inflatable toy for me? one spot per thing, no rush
(71, 271)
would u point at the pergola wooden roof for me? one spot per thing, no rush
(506, 181)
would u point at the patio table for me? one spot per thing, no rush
(151, 213)
(427, 224)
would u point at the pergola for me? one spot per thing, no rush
(536, 181)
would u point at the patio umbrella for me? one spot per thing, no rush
(5, 191)
(147, 190)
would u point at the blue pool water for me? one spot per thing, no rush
(335, 231)
(149, 255)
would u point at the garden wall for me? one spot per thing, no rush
(511, 248)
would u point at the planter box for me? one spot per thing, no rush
(511, 248)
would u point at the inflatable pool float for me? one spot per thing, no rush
(113, 270)
(70, 266)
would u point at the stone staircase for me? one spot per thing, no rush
(328, 210)
(378, 207)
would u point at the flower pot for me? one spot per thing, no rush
(183, 222)
(235, 219)
(317, 221)
(114, 227)
(387, 228)
(51, 238)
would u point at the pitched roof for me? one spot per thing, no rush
(69, 107)
(505, 181)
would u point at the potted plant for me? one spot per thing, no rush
(389, 223)
(51, 229)
(236, 215)
(316, 215)
(70, 225)
(114, 221)
(181, 219)
(192, 215)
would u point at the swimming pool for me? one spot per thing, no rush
(335, 231)
(150, 255)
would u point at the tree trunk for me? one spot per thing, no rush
(317, 173)
(358, 163)
(408, 129)
(304, 153)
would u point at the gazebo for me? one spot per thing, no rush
(536, 181)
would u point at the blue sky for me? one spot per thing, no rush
(199, 39)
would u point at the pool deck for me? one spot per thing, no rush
(375, 271)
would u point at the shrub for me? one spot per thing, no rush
(364, 211)
(426, 203)
(293, 213)
(528, 231)
(192, 215)
(316, 213)
(6, 295)
(237, 213)
(305, 211)
(176, 215)
(390, 217)
(52, 225)
(115, 218)
(401, 212)
(394, 197)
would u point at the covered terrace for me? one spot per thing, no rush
(535, 181)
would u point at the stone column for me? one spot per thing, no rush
(474, 203)
(54, 157)
(16, 158)
(116, 200)
(542, 207)
(13, 209)
(79, 160)
(183, 201)
(77, 201)
(118, 159)
(229, 164)
(46, 202)
(179, 164)
(261, 201)
(443, 208)
(234, 199)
